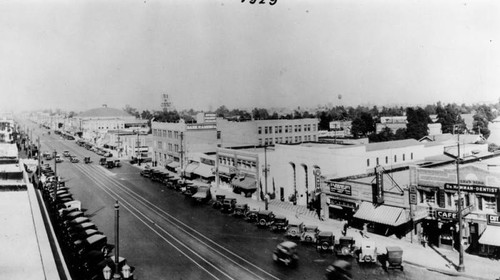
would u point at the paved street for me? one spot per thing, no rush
(162, 233)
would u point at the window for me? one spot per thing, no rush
(377, 162)
(270, 129)
(260, 141)
(430, 197)
(218, 134)
(395, 158)
(403, 157)
(489, 203)
(386, 160)
(368, 162)
(176, 148)
(259, 130)
(411, 156)
(279, 129)
(286, 128)
(299, 127)
(265, 130)
(449, 198)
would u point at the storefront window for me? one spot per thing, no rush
(489, 203)
(430, 197)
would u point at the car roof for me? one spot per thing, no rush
(288, 244)
(325, 233)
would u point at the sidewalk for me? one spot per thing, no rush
(435, 259)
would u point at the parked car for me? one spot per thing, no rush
(286, 253)
(74, 159)
(219, 199)
(59, 159)
(97, 242)
(309, 234)
(146, 173)
(367, 252)
(203, 195)
(394, 257)
(190, 191)
(228, 205)
(252, 215)
(345, 246)
(265, 218)
(102, 161)
(117, 163)
(110, 164)
(279, 223)
(294, 230)
(87, 160)
(325, 241)
(66, 153)
(240, 209)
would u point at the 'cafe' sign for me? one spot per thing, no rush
(446, 215)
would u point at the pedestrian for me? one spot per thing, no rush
(346, 226)
(318, 212)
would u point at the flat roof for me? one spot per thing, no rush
(8, 150)
(20, 254)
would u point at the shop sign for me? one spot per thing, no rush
(446, 215)
(340, 188)
(471, 188)
(343, 203)
(317, 180)
(493, 220)
(413, 195)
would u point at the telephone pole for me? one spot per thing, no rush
(461, 267)
(182, 154)
(266, 169)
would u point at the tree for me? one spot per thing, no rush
(450, 119)
(132, 111)
(363, 125)
(222, 111)
(166, 116)
(481, 119)
(260, 114)
(146, 115)
(417, 121)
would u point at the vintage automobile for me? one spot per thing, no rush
(117, 163)
(219, 199)
(83, 234)
(228, 205)
(190, 191)
(279, 223)
(73, 159)
(110, 164)
(240, 209)
(124, 270)
(97, 242)
(345, 246)
(172, 182)
(394, 257)
(102, 161)
(66, 153)
(286, 253)
(339, 270)
(146, 173)
(68, 206)
(252, 215)
(265, 218)
(203, 195)
(59, 159)
(295, 229)
(325, 241)
(367, 252)
(87, 160)
(309, 234)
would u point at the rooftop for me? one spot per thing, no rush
(104, 112)
(392, 145)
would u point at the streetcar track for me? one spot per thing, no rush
(194, 234)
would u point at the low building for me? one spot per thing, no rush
(393, 123)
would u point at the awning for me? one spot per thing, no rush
(382, 214)
(204, 171)
(174, 164)
(191, 167)
(490, 236)
(247, 183)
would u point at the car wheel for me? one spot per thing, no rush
(275, 257)
(293, 232)
(308, 239)
(262, 222)
(325, 246)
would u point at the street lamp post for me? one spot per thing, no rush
(117, 253)
(266, 169)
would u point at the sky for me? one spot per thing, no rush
(78, 55)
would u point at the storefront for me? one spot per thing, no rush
(490, 238)
(341, 209)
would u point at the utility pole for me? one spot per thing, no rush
(461, 267)
(39, 154)
(182, 154)
(137, 143)
(266, 169)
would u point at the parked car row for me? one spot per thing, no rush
(92, 147)
(85, 247)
